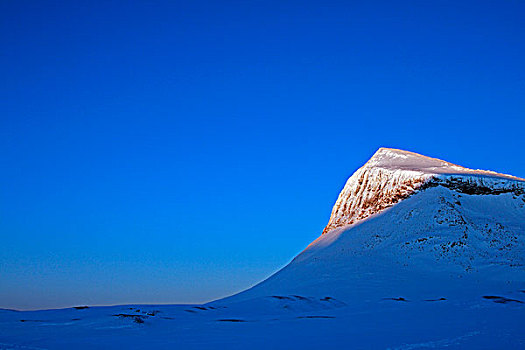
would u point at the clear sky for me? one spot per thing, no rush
(180, 151)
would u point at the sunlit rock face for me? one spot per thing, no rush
(392, 175)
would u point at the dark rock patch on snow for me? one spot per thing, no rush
(396, 299)
(200, 308)
(501, 300)
(281, 297)
(135, 318)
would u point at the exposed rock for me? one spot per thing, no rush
(393, 175)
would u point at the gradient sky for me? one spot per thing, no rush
(180, 151)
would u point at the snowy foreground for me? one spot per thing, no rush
(419, 253)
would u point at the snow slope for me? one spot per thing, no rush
(418, 253)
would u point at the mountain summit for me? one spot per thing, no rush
(392, 175)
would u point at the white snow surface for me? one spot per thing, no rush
(443, 266)
(396, 159)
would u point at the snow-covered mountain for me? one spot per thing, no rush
(418, 253)
(404, 217)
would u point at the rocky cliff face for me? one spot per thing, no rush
(392, 175)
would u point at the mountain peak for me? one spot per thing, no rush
(392, 175)
(397, 159)
(391, 158)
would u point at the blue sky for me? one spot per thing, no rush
(169, 151)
